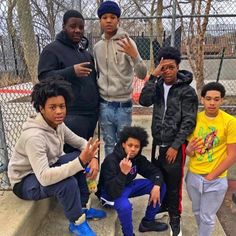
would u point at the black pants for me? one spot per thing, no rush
(173, 177)
(82, 125)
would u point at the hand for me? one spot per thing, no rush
(94, 169)
(155, 196)
(82, 69)
(171, 155)
(125, 165)
(196, 144)
(158, 70)
(90, 151)
(127, 47)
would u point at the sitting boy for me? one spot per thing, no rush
(117, 181)
(39, 168)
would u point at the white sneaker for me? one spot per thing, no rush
(175, 226)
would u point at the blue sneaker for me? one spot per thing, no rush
(94, 214)
(81, 228)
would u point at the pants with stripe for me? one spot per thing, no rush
(123, 206)
(173, 177)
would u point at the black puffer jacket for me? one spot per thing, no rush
(171, 127)
(114, 181)
(58, 58)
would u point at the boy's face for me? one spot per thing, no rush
(212, 102)
(109, 23)
(169, 71)
(74, 28)
(54, 111)
(131, 147)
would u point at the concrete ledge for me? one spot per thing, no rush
(55, 223)
(19, 217)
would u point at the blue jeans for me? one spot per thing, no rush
(122, 205)
(112, 120)
(71, 192)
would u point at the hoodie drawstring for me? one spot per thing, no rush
(114, 51)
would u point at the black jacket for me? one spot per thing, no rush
(58, 58)
(171, 127)
(114, 181)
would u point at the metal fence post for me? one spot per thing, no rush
(4, 181)
(172, 42)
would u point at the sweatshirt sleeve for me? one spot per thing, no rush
(148, 92)
(189, 108)
(49, 66)
(140, 68)
(114, 179)
(149, 171)
(36, 150)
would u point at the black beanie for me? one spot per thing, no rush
(108, 7)
(72, 13)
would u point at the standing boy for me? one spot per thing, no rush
(68, 56)
(212, 150)
(40, 169)
(175, 106)
(116, 57)
(117, 181)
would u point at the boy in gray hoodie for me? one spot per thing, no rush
(117, 58)
(40, 169)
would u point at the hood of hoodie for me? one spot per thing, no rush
(63, 38)
(119, 34)
(184, 76)
(37, 121)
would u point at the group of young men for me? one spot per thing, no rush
(56, 145)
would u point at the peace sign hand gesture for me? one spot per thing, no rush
(90, 151)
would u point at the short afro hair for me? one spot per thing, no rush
(135, 132)
(213, 86)
(52, 86)
(71, 13)
(169, 53)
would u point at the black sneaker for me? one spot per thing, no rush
(175, 229)
(147, 225)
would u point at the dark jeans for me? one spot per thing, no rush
(173, 177)
(122, 205)
(71, 192)
(82, 125)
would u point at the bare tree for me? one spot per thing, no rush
(14, 36)
(28, 38)
(194, 39)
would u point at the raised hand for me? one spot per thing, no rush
(127, 47)
(82, 69)
(126, 165)
(90, 151)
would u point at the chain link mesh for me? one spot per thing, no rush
(204, 31)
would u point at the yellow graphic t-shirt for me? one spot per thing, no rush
(216, 133)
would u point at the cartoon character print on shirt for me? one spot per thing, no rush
(210, 140)
(133, 170)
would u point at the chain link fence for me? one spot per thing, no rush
(204, 31)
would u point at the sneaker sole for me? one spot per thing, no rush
(161, 215)
(143, 229)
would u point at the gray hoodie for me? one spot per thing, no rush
(39, 147)
(116, 69)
